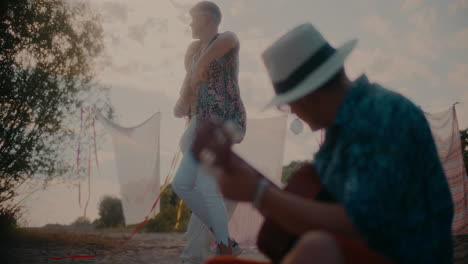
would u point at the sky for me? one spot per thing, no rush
(418, 48)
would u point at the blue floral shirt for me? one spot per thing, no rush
(380, 162)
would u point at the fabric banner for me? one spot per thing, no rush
(137, 158)
(444, 126)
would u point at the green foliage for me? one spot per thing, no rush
(464, 141)
(97, 223)
(8, 220)
(110, 213)
(289, 169)
(81, 221)
(47, 53)
(165, 221)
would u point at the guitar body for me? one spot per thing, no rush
(273, 240)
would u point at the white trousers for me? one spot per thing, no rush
(200, 239)
(200, 191)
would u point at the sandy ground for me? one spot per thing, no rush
(163, 248)
(38, 246)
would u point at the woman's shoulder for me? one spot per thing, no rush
(230, 37)
(230, 42)
(229, 34)
(193, 47)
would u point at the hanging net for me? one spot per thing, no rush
(136, 151)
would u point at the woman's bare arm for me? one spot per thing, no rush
(191, 50)
(182, 104)
(223, 44)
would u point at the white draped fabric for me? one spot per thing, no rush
(137, 161)
(262, 147)
(444, 126)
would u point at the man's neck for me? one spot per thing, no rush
(207, 37)
(335, 100)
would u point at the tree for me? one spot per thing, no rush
(48, 49)
(110, 212)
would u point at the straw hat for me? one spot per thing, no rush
(302, 61)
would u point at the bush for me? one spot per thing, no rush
(98, 223)
(166, 220)
(81, 221)
(110, 213)
(8, 220)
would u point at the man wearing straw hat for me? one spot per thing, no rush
(379, 162)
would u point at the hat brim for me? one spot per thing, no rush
(315, 80)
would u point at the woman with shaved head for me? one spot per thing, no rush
(210, 92)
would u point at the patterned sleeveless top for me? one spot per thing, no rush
(219, 98)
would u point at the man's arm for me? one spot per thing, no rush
(237, 180)
(299, 215)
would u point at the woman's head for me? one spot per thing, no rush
(206, 17)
